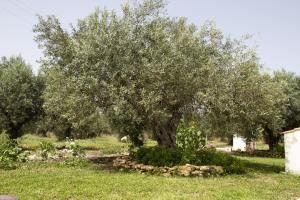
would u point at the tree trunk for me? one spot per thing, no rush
(165, 132)
(272, 139)
(14, 132)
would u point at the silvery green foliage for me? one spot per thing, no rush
(239, 98)
(291, 87)
(70, 111)
(142, 64)
(144, 69)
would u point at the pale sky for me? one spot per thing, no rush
(275, 24)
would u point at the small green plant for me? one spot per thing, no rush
(10, 153)
(190, 138)
(75, 148)
(158, 156)
(278, 149)
(230, 164)
(47, 148)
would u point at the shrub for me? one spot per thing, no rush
(46, 148)
(158, 156)
(10, 153)
(190, 138)
(75, 148)
(278, 149)
(213, 157)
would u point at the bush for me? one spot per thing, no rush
(46, 148)
(190, 138)
(75, 148)
(158, 156)
(278, 149)
(4, 141)
(10, 153)
(213, 157)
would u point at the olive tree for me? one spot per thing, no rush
(291, 87)
(142, 64)
(240, 99)
(20, 92)
(145, 69)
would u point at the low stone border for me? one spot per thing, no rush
(184, 170)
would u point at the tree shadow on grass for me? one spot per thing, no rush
(105, 163)
(262, 168)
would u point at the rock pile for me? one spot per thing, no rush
(184, 170)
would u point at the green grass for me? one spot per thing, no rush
(32, 141)
(260, 145)
(38, 180)
(106, 144)
(51, 181)
(218, 143)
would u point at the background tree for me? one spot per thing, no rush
(291, 87)
(20, 92)
(239, 99)
(68, 110)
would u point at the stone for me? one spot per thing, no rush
(127, 166)
(184, 173)
(191, 167)
(196, 173)
(204, 168)
(132, 163)
(163, 169)
(184, 170)
(173, 168)
(147, 168)
(219, 169)
(138, 166)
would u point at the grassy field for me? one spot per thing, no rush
(107, 144)
(53, 181)
(46, 180)
(217, 142)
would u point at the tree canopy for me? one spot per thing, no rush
(20, 92)
(144, 70)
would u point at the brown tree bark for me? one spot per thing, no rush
(14, 131)
(165, 132)
(271, 138)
